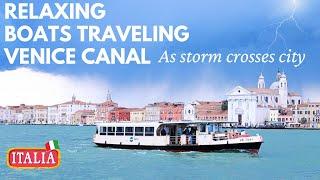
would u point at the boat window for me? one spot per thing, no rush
(202, 128)
(120, 131)
(111, 130)
(138, 131)
(129, 131)
(149, 131)
(103, 130)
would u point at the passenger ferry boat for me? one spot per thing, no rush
(204, 136)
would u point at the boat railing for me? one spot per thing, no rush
(191, 139)
(219, 136)
(175, 140)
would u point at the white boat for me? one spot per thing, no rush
(204, 136)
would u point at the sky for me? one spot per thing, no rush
(229, 26)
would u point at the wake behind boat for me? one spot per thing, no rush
(204, 136)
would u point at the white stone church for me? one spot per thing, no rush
(251, 106)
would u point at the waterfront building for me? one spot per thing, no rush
(164, 111)
(273, 115)
(103, 109)
(307, 114)
(286, 119)
(4, 114)
(53, 114)
(67, 109)
(84, 117)
(119, 114)
(210, 110)
(205, 110)
(171, 111)
(40, 114)
(189, 111)
(15, 114)
(152, 112)
(137, 115)
(250, 106)
(28, 114)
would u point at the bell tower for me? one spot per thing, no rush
(283, 90)
(73, 98)
(109, 95)
(261, 82)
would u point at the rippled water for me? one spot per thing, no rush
(286, 154)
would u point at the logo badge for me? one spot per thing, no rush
(30, 158)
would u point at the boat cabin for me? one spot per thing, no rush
(164, 133)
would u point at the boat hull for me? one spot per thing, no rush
(249, 147)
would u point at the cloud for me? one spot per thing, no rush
(311, 92)
(205, 86)
(29, 86)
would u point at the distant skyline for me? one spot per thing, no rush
(215, 26)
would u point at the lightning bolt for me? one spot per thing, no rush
(278, 26)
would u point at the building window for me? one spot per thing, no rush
(266, 99)
(276, 99)
(129, 131)
(111, 131)
(138, 131)
(119, 131)
(149, 131)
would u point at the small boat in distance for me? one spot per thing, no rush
(204, 136)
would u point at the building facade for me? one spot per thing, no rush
(171, 111)
(84, 117)
(103, 109)
(152, 112)
(137, 115)
(119, 114)
(250, 106)
(66, 110)
(307, 114)
(40, 114)
(273, 115)
(205, 110)
(189, 111)
(53, 114)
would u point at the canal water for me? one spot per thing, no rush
(286, 154)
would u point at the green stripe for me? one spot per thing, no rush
(56, 144)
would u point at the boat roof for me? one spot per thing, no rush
(147, 123)
(198, 122)
(155, 123)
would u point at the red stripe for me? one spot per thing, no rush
(47, 146)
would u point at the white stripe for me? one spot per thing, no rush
(51, 144)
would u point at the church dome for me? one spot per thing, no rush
(274, 85)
